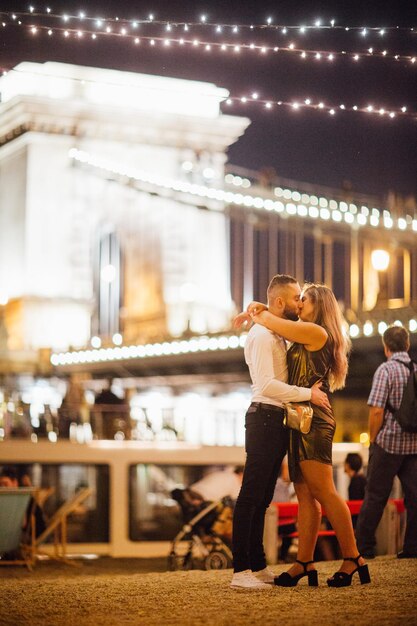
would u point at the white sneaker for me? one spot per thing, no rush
(247, 580)
(265, 575)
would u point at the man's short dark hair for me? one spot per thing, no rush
(354, 460)
(396, 339)
(281, 280)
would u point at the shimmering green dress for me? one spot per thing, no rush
(304, 369)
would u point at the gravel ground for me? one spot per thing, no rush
(113, 592)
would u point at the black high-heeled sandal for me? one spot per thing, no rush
(343, 579)
(286, 580)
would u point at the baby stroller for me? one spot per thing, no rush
(205, 538)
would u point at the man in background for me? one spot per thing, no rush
(392, 452)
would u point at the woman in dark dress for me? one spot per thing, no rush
(318, 353)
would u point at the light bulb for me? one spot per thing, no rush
(380, 260)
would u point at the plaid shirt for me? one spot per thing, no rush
(388, 386)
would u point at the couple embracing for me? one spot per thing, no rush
(315, 364)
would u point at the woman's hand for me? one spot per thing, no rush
(254, 308)
(241, 320)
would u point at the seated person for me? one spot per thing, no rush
(9, 477)
(353, 467)
(213, 487)
(356, 489)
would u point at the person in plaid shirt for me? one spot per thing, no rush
(392, 452)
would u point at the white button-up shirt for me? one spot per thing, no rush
(266, 357)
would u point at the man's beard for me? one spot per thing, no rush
(290, 315)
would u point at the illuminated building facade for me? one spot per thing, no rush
(125, 249)
(83, 251)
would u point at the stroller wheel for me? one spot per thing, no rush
(180, 562)
(217, 559)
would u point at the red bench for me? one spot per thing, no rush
(287, 513)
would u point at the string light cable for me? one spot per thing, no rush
(319, 105)
(221, 46)
(218, 27)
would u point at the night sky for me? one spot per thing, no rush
(374, 153)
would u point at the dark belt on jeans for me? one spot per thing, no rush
(267, 407)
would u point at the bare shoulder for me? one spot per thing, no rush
(318, 336)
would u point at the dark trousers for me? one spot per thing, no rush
(382, 469)
(266, 445)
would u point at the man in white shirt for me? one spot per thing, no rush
(266, 436)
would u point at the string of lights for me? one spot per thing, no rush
(319, 105)
(204, 21)
(224, 47)
(296, 105)
(193, 345)
(196, 344)
(288, 202)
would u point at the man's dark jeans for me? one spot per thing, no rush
(266, 446)
(382, 469)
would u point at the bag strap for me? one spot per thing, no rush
(410, 366)
(406, 363)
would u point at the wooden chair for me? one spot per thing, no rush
(43, 494)
(57, 525)
(14, 503)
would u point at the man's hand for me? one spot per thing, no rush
(376, 419)
(241, 320)
(318, 397)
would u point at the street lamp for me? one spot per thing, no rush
(108, 273)
(380, 260)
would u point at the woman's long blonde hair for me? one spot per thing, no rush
(329, 315)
